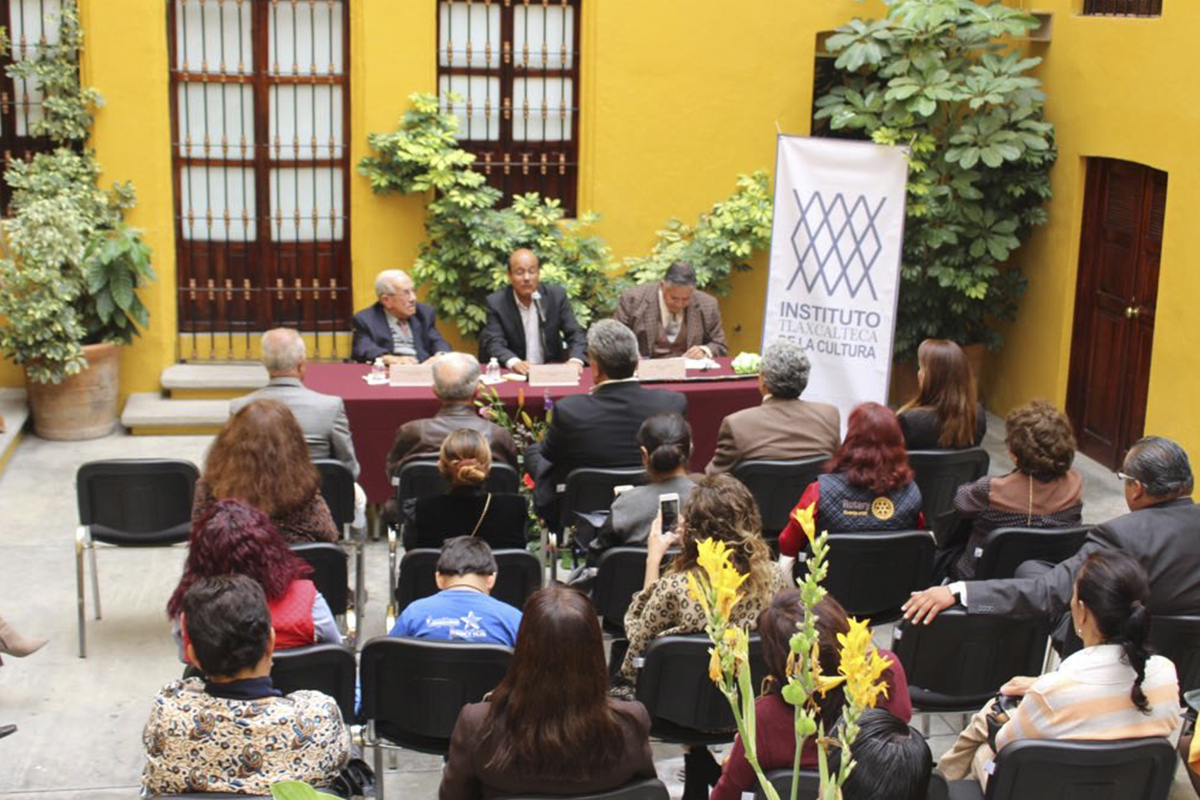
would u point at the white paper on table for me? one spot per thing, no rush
(411, 375)
(662, 369)
(376, 378)
(553, 375)
(490, 381)
(700, 363)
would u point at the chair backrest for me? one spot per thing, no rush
(135, 502)
(1178, 638)
(684, 704)
(1045, 769)
(591, 489)
(959, 661)
(810, 785)
(337, 487)
(940, 473)
(872, 574)
(620, 573)
(327, 668)
(413, 689)
(330, 572)
(1005, 549)
(646, 789)
(420, 478)
(518, 575)
(777, 486)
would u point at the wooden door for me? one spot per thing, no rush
(1119, 258)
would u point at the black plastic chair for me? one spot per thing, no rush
(959, 661)
(620, 573)
(685, 706)
(872, 574)
(777, 486)
(1178, 638)
(330, 574)
(413, 689)
(519, 574)
(337, 487)
(589, 489)
(1005, 549)
(140, 502)
(327, 668)
(1045, 769)
(648, 789)
(939, 474)
(810, 785)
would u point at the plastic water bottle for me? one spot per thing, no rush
(493, 371)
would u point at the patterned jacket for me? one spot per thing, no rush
(195, 742)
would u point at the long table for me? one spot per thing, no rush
(375, 412)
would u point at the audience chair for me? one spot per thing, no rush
(939, 474)
(1047, 769)
(413, 689)
(1178, 638)
(648, 789)
(620, 573)
(142, 502)
(777, 486)
(810, 785)
(684, 704)
(519, 574)
(420, 478)
(959, 661)
(337, 487)
(1005, 549)
(872, 574)
(327, 668)
(588, 489)
(331, 576)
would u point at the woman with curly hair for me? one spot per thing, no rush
(231, 538)
(945, 414)
(1042, 492)
(260, 457)
(867, 486)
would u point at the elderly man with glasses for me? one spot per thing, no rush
(397, 328)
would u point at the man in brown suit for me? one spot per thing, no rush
(784, 426)
(455, 382)
(672, 317)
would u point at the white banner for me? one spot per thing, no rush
(835, 263)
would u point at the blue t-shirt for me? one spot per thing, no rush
(460, 615)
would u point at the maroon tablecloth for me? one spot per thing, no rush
(376, 412)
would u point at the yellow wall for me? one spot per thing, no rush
(1115, 89)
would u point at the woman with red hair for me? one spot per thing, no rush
(868, 485)
(232, 538)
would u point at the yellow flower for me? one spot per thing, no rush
(861, 665)
(714, 666)
(804, 518)
(723, 577)
(697, 592)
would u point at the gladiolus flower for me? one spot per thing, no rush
(697, 592)
(714, 666)
(861, 665)
(804, 518)
(723, 577)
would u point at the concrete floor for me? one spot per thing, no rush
(81, 719)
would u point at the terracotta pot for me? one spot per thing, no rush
(904, 385)
(83, 406)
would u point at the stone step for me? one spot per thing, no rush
(14, 412)
(212, 381)
(152, 414)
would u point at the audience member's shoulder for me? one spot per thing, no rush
(1160, 670)
(633, 710)
(314, 703)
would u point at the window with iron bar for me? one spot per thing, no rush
(260, 101)
(515, 66)
(1128, 8)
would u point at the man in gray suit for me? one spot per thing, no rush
(1161, 530)
(784, 426)
(322, 417)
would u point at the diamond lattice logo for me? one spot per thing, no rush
(836, 243)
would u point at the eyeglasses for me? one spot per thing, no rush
(1127, 478)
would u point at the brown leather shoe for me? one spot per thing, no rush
(5, 730)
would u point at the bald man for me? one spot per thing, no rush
(397, 328)
(530, 322)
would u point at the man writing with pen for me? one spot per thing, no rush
(530, 323)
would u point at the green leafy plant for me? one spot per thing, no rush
(721, 242)
(941, 78)
(296, 790)
(71, 265)
(469, 236)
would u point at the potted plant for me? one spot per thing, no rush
(70, 265)
(943, 78)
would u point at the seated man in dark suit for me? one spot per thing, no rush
(528, 322)
(673, 317)
(598, 429)
(1162, 531)
(397, 328)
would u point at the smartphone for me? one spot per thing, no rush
(668, 506)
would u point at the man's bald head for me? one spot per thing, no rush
(455, 377)
(283, 352)
(524, 273)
